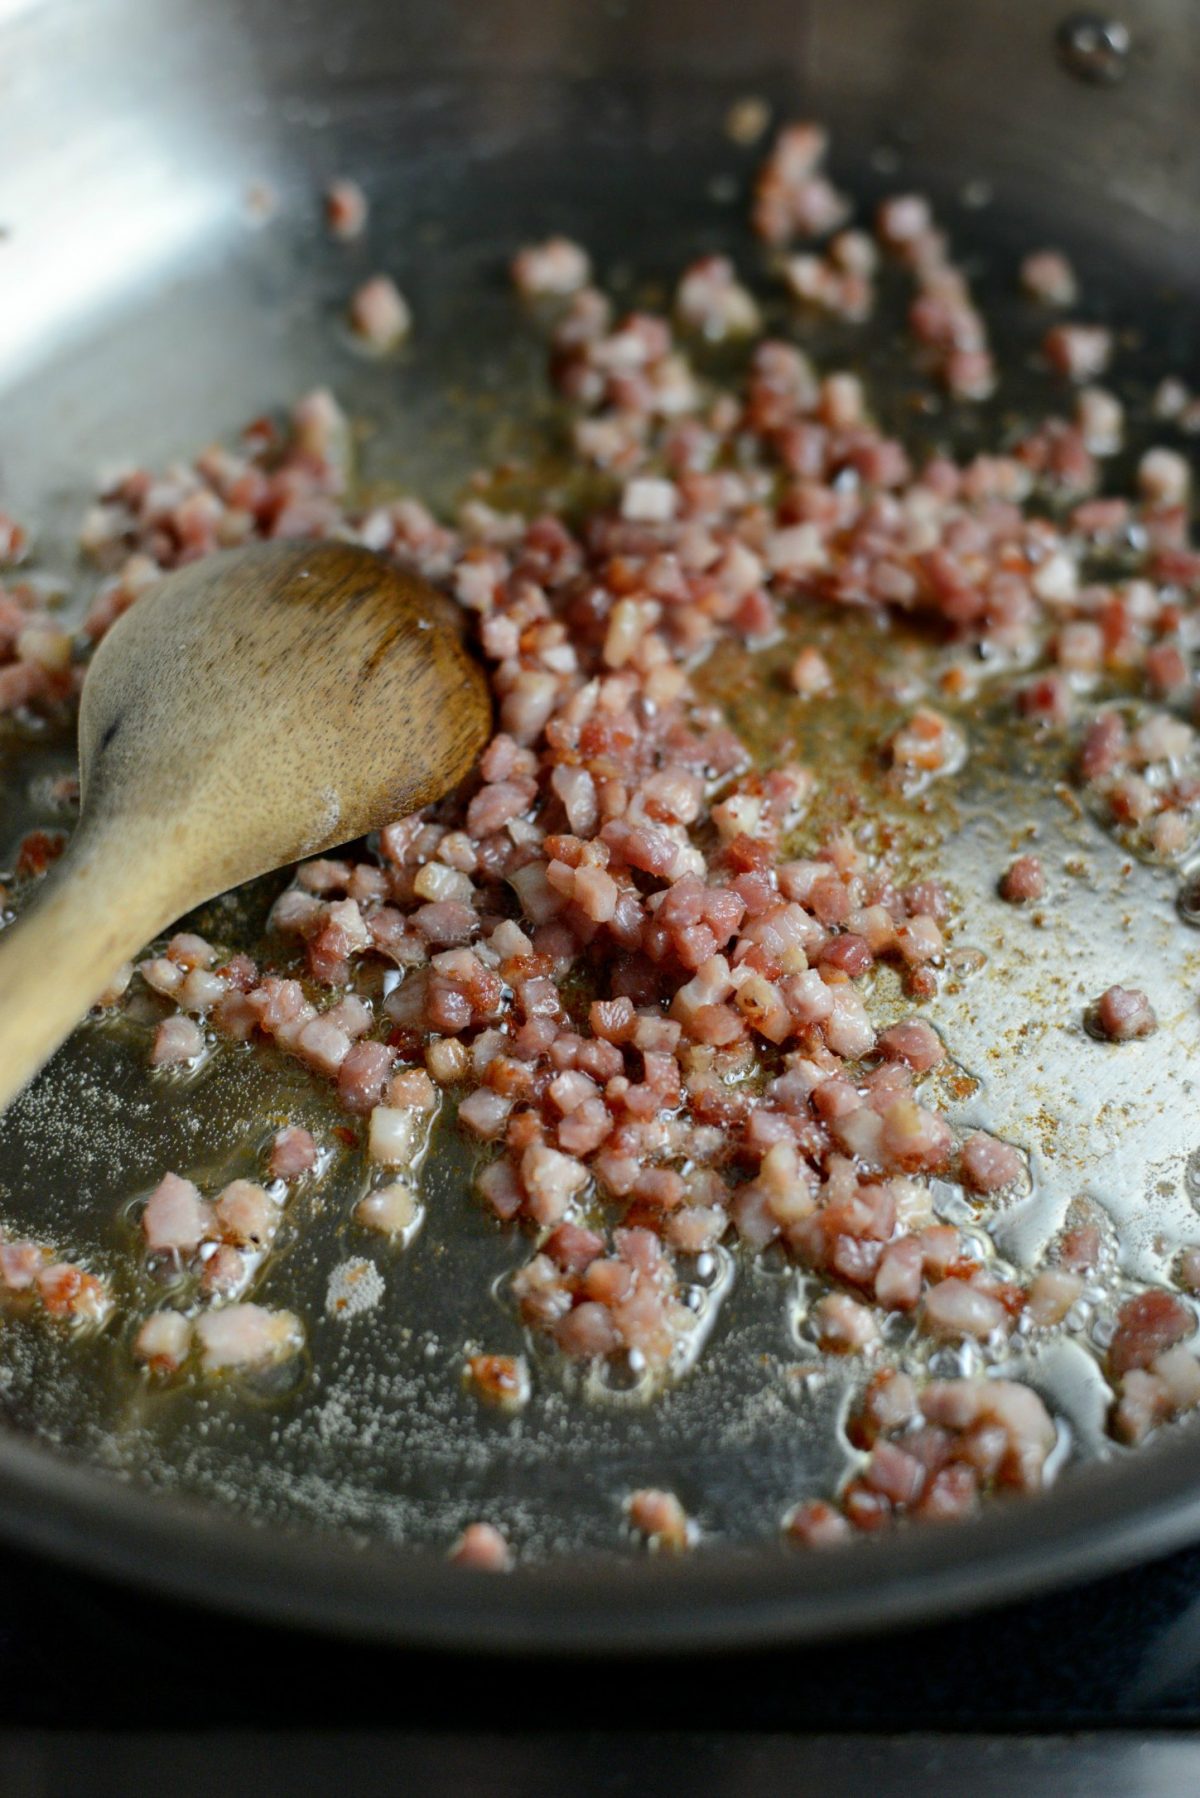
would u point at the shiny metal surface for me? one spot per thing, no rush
(144, 311)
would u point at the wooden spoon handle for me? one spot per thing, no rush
(93, 912)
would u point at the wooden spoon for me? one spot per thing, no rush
(252, 708)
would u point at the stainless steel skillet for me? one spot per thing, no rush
(141, 313)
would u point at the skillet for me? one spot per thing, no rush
(144, 314)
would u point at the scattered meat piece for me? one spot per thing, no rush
(14, 539)
(1081, 1245)
(1152, 1395)
(989, 1165)
(712, 300)
(447, 1060)
(899, 1275)
(393, 1136)
(245, 1215)
(913, 1139)
(345, 209)
(1046, 275)
(412, 1089)
(927, 744)
(293, 1152)
(246, 1335)
(485, 1113)
(551, 1180)
(39, 849)
(224, 1273)
(201, 990)
(1104, 747)
(1101, 418)
(20, 1264)
(1080, 351)
(163, 1341)
(1164, 477)
(482, 1547)
(843, 1325)
(362, 1075)
(1051, 1295)
(176, 1219)
(647, 500)
(393, 1209)
(1170, 398)
(1048, 700)
(914, 1042)
(1179, 1371)
(816, 1524)
(70, 1291)
(1166, 670)
(557, 266)
(379, 313)
(809, 674)
(117, 987)
(190, 951)
(1144, 1402)
(1122, 1014)
(828, 283)
(1023, 880)
(501, 1379)
(793, 198)
(955, 1308)
(889, 1404)
(1148, 1323)
(904, 220)
(661, 1518)
(177, 1039)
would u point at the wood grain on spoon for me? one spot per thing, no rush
(254, 707)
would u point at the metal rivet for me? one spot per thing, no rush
(1093, 48)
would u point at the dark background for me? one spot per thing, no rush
(103, 1691)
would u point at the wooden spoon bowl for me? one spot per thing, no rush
(252, 708)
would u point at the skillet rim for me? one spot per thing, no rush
(1099, 1520)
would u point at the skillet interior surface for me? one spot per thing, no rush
(144, 315)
